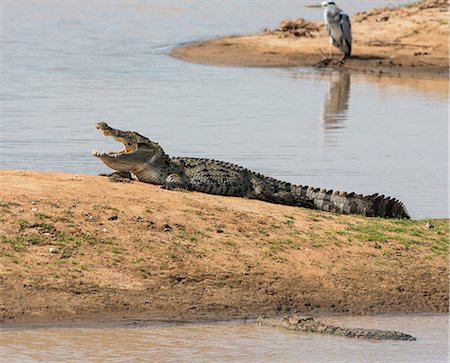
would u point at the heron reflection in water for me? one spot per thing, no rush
(336, 102)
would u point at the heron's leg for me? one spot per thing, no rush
(331, 51)
(342, 60)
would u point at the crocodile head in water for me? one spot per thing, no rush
(138, 156)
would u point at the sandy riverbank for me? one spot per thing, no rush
(405, 40)
(81, 248)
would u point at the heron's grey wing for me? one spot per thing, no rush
(346, 28)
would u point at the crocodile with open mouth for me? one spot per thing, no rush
(144, 160)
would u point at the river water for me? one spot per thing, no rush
(227, 342)
(68, 64)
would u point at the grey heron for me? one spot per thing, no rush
(338, 28)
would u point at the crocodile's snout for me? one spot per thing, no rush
(103, 126)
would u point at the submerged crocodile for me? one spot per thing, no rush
(144, 160)
(308, 324)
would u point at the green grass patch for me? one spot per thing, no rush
(262, 230)
(190, 236)
(388, 252)
(21, 243)
(316, 263)
(46, 227)
(441, 246)
(173, 250)
(7, 254)
(41, 215)
(23, 224)
(118, 250)
(289, 221)
(68, 212)
(420, 234)
(313, 216)
(277, 245)
(77, 240)
(104, 207)
(370, 232)
(89, 239)
(6, 204)
(143, 272)
(194, 211)
(312, 236)
(230, 243)
(60, 261)
(64, 240)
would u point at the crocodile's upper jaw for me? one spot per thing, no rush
(130, 145)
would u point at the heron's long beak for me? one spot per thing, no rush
(313, 6)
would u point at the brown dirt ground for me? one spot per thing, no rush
(81, 248)
(405, 40)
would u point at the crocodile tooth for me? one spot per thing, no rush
(97, 152)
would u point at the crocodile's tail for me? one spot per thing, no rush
(275, 191)
(350, 203)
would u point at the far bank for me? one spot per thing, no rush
(410, 39)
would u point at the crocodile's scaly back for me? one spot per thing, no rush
(215, 177)
(223, 178)
(146, 161)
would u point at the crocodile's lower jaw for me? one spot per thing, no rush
(99, 154)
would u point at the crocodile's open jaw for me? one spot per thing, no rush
(130, 146)
(137, 150)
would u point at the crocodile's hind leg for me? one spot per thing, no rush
(119, 176)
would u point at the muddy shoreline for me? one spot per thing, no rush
(79, 248)
(411, 40)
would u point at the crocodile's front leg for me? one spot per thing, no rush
(121, 176)
(175, 181)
